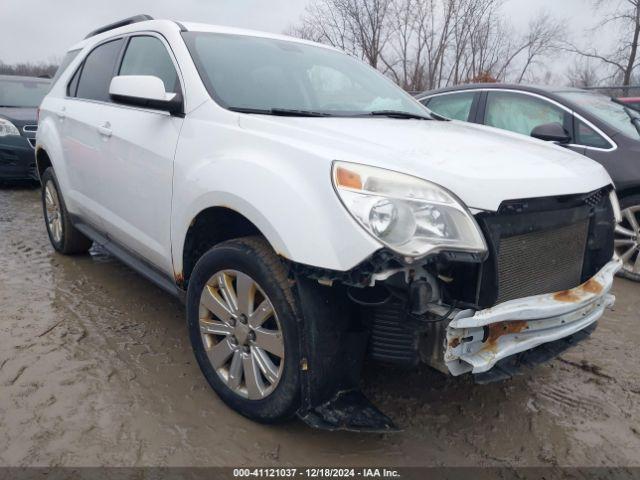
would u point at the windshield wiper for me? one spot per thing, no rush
(398, 114)
(633, 116)
(280, 112)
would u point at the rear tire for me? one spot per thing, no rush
(246, 347)
(628, 238)
(64, 237)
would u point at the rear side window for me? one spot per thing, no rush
(97, 72)
(149, 56)
(68, 58)
(455, 106)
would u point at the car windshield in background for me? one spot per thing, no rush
(288, 78)
(22, 93)
(618, 116)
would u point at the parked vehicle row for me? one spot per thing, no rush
(19, 100)
(310, 214)
(587, 123)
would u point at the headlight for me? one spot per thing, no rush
(7, 128)
(411, 216)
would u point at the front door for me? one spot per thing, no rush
(139, 149)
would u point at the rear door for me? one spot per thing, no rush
(138, 150)
(82, 141)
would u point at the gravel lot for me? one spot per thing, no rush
(96, 369)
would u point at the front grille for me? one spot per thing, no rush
(541, 262)
(30, 128)
(32, 142)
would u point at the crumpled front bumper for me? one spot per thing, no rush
(476, 341)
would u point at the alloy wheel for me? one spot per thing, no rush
(627, 242)
(241, 334)
(53, 211)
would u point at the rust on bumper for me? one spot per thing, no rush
(477, 340)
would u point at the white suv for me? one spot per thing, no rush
(310, 214)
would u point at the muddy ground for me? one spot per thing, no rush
(96, 369)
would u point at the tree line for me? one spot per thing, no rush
(426, 44)
(27, 69)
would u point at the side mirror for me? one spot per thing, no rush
(551, 132)
(145, 91)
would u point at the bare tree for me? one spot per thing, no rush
(582, 74)
(357, 26)
(423, 44)
(543, 38)
(623, 58)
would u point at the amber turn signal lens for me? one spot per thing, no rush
(348, 179)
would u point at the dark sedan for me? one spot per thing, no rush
(588, 123)
(19, 100)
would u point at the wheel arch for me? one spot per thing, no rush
(43, 161)
(209, 227)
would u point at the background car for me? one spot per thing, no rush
(633, 102)
(19, 101)
(585, 122)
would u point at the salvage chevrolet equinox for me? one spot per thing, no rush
(311, 215)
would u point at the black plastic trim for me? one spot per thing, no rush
(130, 259)
(120, 23)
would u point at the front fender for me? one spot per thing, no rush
(285, 193)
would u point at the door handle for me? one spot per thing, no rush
(62, 113)
(105, 130)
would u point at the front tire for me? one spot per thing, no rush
(64, 237)
(243, 327)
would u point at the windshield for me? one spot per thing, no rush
(22, 93)
(262, 74)
(620, 117)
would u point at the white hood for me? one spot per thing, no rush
(483, 166)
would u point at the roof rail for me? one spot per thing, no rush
(121, 23)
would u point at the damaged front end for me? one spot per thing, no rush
(542, 287)
(476, 341)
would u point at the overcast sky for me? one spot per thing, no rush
(36, 30)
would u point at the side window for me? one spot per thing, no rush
(97, 72)
(520, 113)
(72, 88)
(455, 106)
(588, 137)
(149, 56)
(68, 58)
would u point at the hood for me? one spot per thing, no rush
(483, 166)
(27, 114)
(19, 116)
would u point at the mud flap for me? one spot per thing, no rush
(333, 348)
(350, 411)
